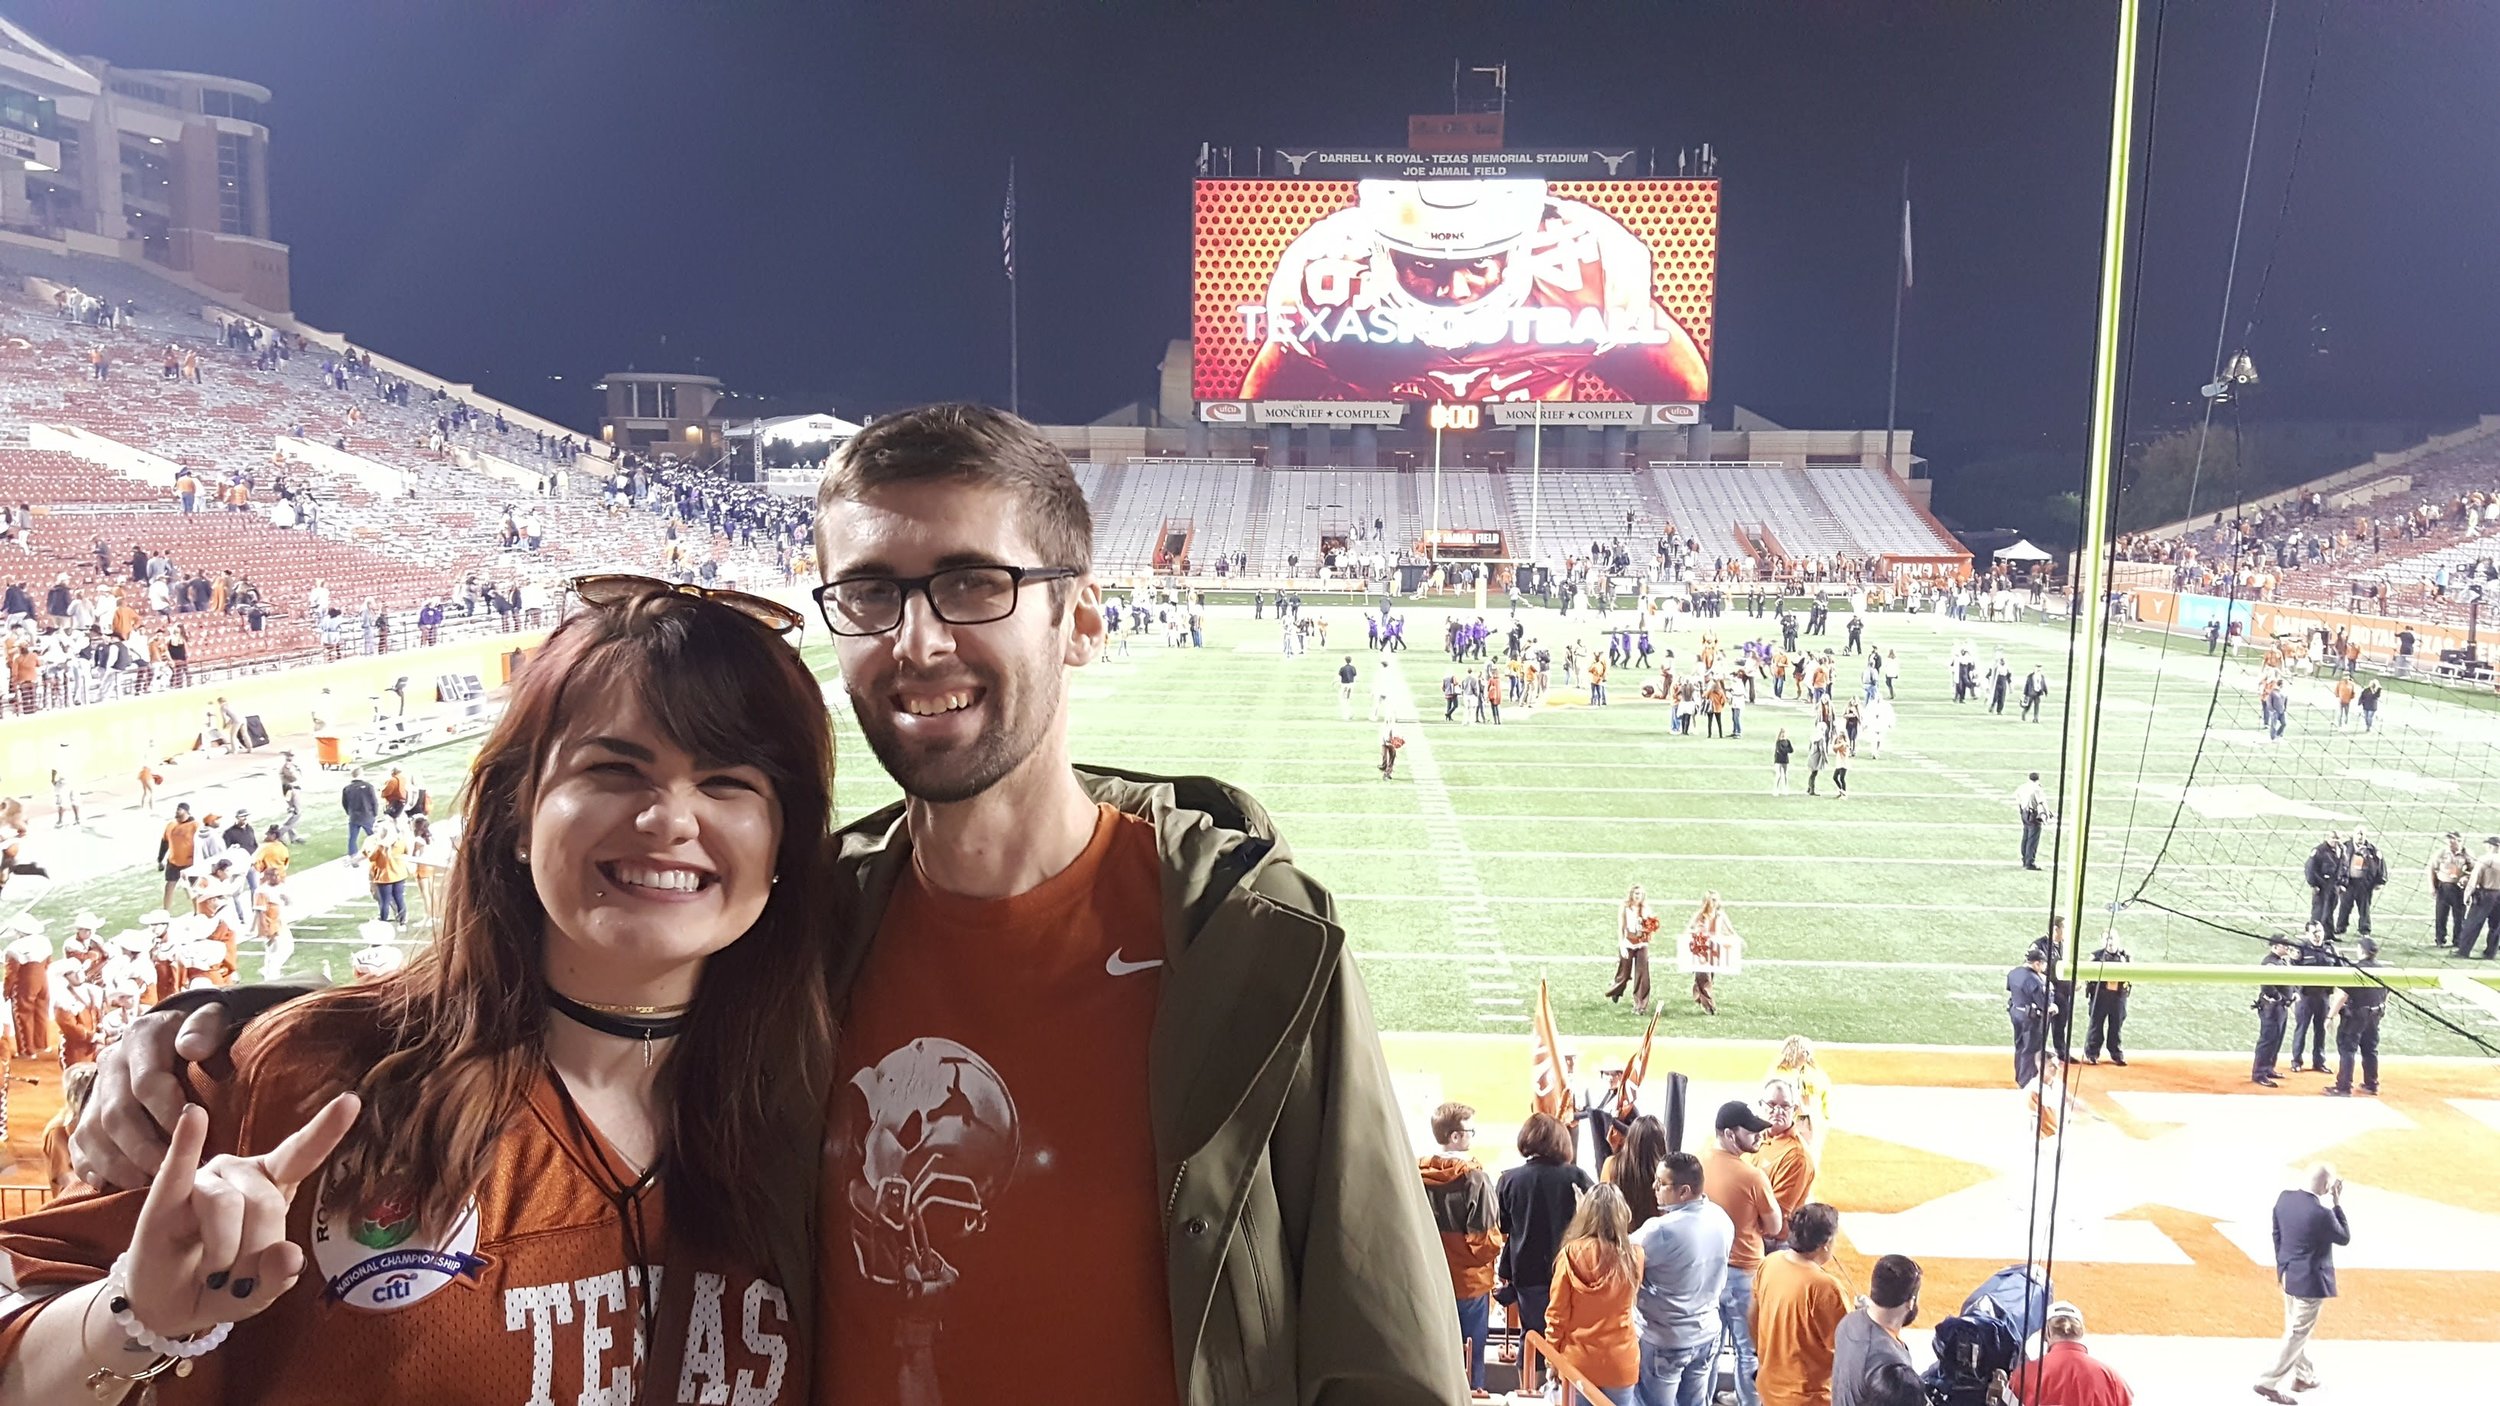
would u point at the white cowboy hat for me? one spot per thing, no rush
(191, 927)
(86, 921)
(132, 941)
(155, 918)
(201, 954)
(377, 932)
(378, 960)
(27, 924)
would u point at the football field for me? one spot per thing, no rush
(1498, 854)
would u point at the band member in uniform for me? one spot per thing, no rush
(2317, 949)
(1711, 949)
(2108, 1000)
(2325, 873)
(2359, 1009)
(78, 1003)
(29, 984)
(2448, 867)
(2028, 1006)
(2273, 1005)
(1633, 928)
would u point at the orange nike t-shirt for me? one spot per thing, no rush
(990, 1196)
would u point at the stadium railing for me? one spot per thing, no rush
(17, 1201)
(1576, 1387)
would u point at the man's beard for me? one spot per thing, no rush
(959, 774)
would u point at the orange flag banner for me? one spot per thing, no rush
(1628, 1088)
(1553, 1091)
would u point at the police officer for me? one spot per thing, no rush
(2028, 1006)
(2448, 868)
(2325, 875)
(2482, 902)
(2364, 870)
(2317, 949)
(2272, 1003)
(2108, 1000)
(2359, 1010)
(2032, 805)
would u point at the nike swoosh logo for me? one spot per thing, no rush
(1116, 967)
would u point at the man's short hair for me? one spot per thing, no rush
(1812, 1227)
(974, 444)
(1447, 1120)
(1894, 1281)
(1681, 1170)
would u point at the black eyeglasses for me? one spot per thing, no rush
(959, 595)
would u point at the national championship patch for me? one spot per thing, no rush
(375, 1259)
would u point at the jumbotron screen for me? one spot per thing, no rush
(1454, 290)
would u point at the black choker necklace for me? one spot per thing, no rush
(645, 1028)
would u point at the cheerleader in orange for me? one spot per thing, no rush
(1633, 928)
(1711, 949)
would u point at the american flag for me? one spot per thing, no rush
(1007, 226)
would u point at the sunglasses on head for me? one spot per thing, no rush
(620, 588)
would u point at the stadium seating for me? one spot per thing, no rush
(1213, 499)
(1574, 509)
(399, 521)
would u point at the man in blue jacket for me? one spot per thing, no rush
(2308, 1225)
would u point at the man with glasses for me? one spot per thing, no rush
(1150, 1000)
(1100, 1037)
(1465, 1212)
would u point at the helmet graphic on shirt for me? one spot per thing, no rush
(934, 1138)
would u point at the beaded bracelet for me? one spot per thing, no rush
(117, 1298)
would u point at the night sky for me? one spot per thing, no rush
(803, 198)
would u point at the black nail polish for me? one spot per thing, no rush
(243, 1288)
(217, 1280)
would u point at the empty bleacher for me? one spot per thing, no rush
(1212, 498)
(1305, 505)
(1573, 509)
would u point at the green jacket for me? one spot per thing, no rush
(1303, 1266)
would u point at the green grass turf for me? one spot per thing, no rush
(1889, 916)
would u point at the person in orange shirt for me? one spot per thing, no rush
(386, 865)
(2344, 694)
(1739, 1188)
(177, 849)
(1464, 1211)
(1588, 1319)
(1798, 1302)
(25, 669)
(1784, 1157)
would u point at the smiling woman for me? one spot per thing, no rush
(639, 879)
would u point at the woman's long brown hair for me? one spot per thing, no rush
(457, 1038)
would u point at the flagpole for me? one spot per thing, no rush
(1900, 285)
(1015, 345)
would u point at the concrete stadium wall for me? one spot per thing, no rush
(110, 740)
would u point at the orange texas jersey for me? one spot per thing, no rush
(531, 1296)
(1566, 313)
